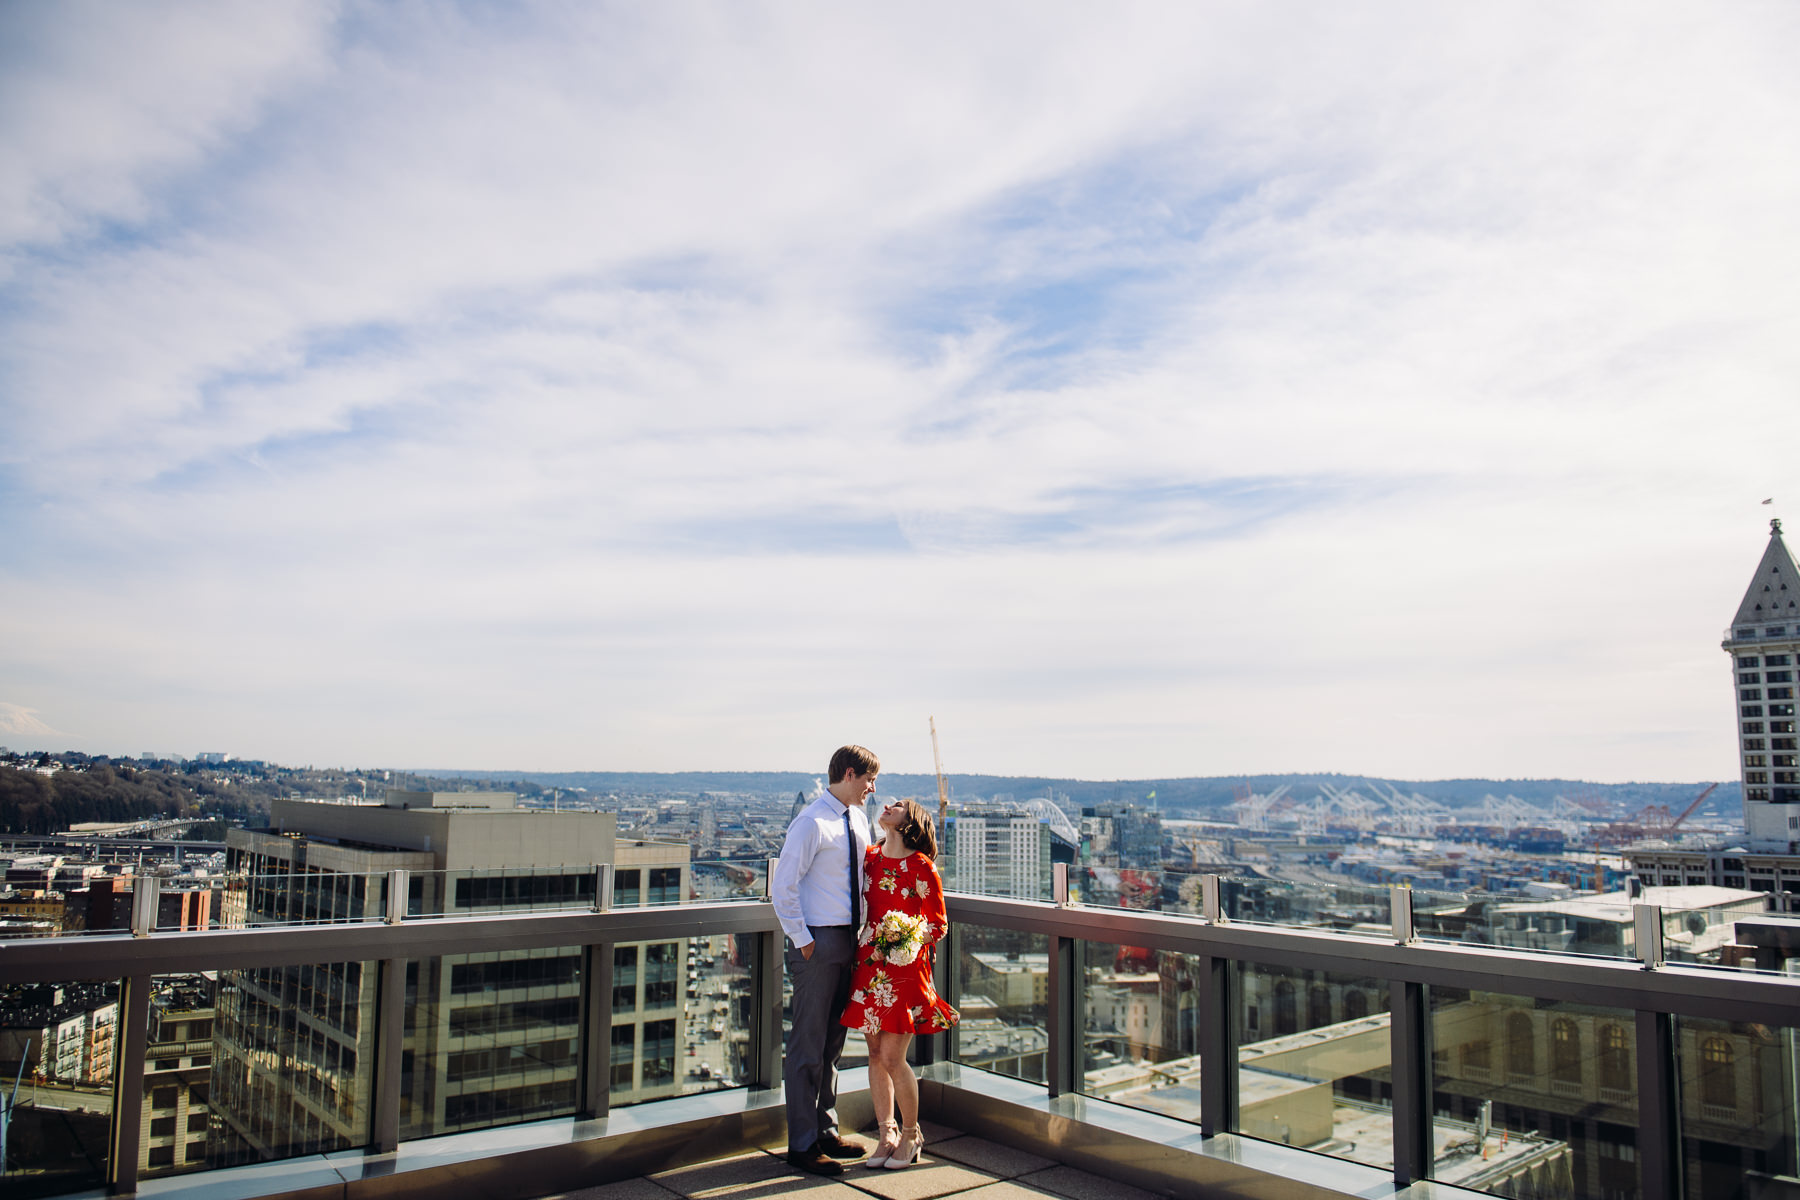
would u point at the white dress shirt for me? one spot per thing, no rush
(812, 877)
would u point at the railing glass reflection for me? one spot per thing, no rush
(316, 896)
(1738, 1117)
(1001, 990)
(1530, 1085)
(292, 1063)
(60, 1052)
(1534, 1098)
(1314, 1051)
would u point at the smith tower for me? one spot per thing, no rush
(1763, 640)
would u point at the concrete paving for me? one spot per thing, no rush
(953, 1164)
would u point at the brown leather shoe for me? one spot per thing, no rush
(839, 1147)
(814, 1161)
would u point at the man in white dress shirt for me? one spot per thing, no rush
(817, 893)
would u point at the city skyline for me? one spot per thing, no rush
(1151, 393)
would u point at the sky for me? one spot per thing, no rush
(1139, 390)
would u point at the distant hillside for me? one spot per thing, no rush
(42, 794)
(1212, 794)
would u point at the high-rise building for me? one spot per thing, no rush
(176, 1115)
(997, 851)
(1763, 639)
(1763, 643)
(1122, 835)
(490, 1037)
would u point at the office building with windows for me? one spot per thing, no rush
(997, 851)
(1763, 643)
(491, 1036)
(1763, 640)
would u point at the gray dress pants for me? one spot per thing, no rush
(809, 1072)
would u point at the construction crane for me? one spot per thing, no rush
(1668, 829)
(1652, 821)
(937, 761)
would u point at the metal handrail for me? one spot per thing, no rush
(1656, 993)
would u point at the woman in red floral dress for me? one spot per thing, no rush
(891, 1000)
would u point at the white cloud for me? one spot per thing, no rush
(1154, 392)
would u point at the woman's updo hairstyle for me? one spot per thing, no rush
(916, 832)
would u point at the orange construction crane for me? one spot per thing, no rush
(937, 761)
(1653, 821)
(1689, 810)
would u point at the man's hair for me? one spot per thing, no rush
(916, 832)
(859, 760)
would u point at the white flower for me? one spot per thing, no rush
(871, 1022)
(856, 997)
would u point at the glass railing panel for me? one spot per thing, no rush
(996, 875)
(303, 897)
(490, 1039)
(1534, 1098)
(1708, 937)
(178, 1129)
(58, 1133)
(293, 1061)
(1140, 1045)
(104, 905)
(1314, 1062)
(1311, 904)
(322, 896)
(486, 892)
(1123, 887)
(713, 880)
(681, 1016)
(716, 1015)
(1738, 1115)
(1002, 990)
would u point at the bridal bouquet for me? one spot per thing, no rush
(899, 938)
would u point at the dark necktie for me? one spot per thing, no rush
(855, 881)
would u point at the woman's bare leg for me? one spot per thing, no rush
(902, 1085)
(881, 1093)
(905, 1087)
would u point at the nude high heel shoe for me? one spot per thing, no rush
(884, 1150)
(907, 1152)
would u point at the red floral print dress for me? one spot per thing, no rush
(892, 997)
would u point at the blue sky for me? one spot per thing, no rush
(1142, 391)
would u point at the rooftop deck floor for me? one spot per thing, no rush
(953, 1164)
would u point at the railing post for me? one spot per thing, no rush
(1218, 1013)
(131, 1041)
(390, 1029)
(1063, 1021)
(769, 880)
(1400, 913)
(1410, 1042)
(929, 1048)
(949, 986)
(1210, 908)
(596, 1017)
(146, 890)
(1059, 884)
(1659, 1106)
(603, 892)
(398, 888)
(1647, 928)
(765, 1048)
